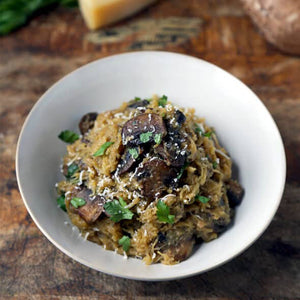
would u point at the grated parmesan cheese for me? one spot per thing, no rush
(222, 153)
(80, 177)
(86, 236)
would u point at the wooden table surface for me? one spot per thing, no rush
(54, 44)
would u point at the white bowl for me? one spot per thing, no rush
(243, 124)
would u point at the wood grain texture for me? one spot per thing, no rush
(52, 45)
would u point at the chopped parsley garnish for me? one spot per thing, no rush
(102, 149)
(163, 101)
(124, 241)
(117, 210)
(199, 130)
(215, 164)
(182, 170)
(134, 153)
(137, 99)
(163, 213)
(202, 199)
(68, 136)
(61, 202)
(145, 137)
(72, 169)
(207, 134)
(157, 138)
(77, 202)
(122, 202)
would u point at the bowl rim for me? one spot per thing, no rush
(244, 247)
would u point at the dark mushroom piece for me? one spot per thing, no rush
(82, 165)
(147, 124)
(87, 122)
(179, 117)
(171, 148)
(174, 124)
(155, 177)
(139, 103)
(220, 225)
(129, 159)
(65, 170)
(93, 208)
(171, 154)
(177, 243)
(181, 250)
(161, 239)
(235, 193)
(85, 140)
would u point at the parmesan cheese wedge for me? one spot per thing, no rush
(98, 13)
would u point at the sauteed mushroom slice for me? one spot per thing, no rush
(87, 122)
(179, 117)
(129, 159)
(65, 170)
(182, 250)
(171, 154)
(142, 129)
(235, 193)
(171, 148)
(220, 225)
(155, 177)
(93, 207)
(177, 244)
(174, 124)
(139, 103)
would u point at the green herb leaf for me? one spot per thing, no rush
(198, 129)
(163, 101)
(102, 149)
(182, 170)
(163, 213)
(145, 137)
(77, 202)
(157, 138)
(15, 13)
(137, 99)
(124, 241)
(134, 153)
(117, 210)
(72, 169)
(215, 164)
(202, 199)
(68, 136)
(208, 134)
(61, 202)
(122, 202)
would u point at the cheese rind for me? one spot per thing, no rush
(98, 13)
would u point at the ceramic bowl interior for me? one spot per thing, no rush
(241, 121)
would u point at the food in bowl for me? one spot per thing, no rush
(148, 180)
